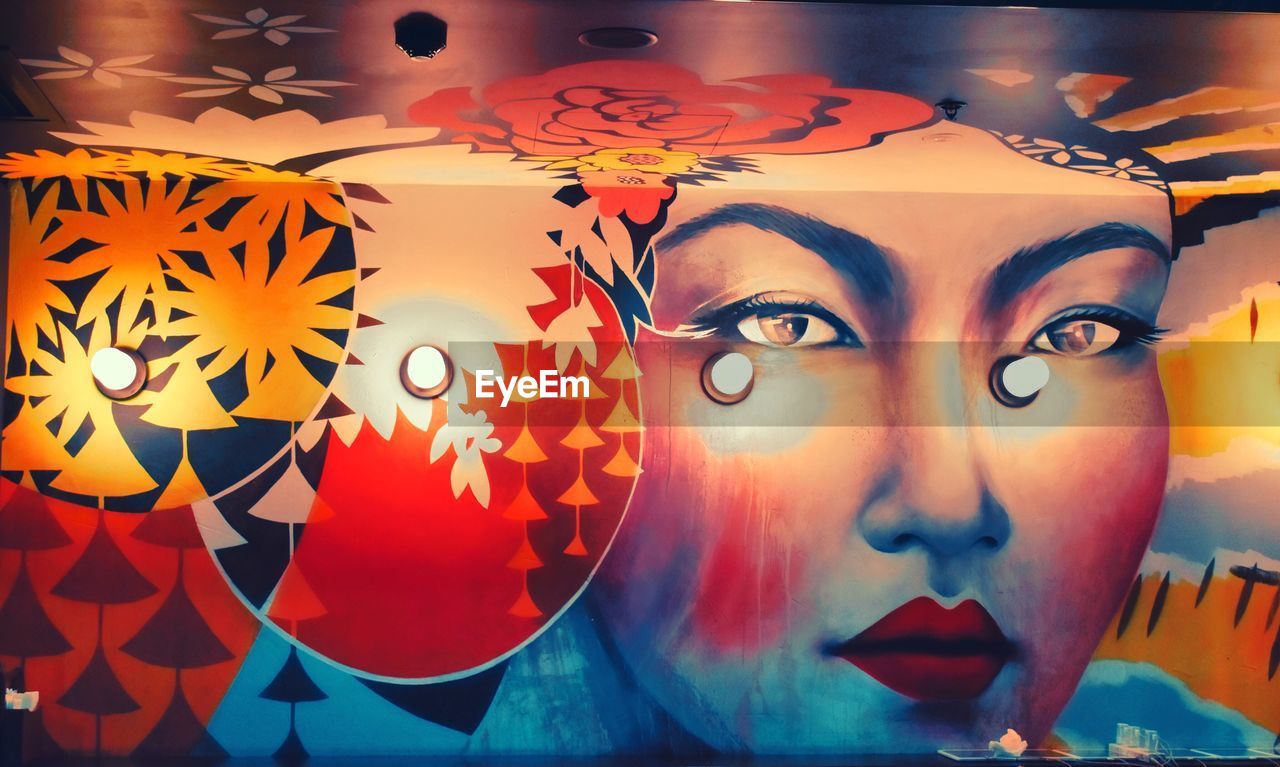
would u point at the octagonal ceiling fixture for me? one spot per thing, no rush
(617, 38)
(951, 107)
(421, 35)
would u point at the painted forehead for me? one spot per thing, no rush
(627, 136)
(636, 124)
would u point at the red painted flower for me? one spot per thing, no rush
(635, 193)
(578, 109)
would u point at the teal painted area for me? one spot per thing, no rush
(351, 721)
(1144, 695)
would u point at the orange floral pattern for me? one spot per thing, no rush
(191, 273)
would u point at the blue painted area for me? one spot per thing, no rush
(564, 696)
(1236, 513)
(1144, 695)
(552, 703)
(350, 721)
(244, 724)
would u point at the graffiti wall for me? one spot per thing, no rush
(849, 428)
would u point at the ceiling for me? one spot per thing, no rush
(104, 60)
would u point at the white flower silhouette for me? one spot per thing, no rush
(258, 20)
(470, 436)
(570, 330)
(1122, 168)
(77, 64)
(273, 84)
(268, 140)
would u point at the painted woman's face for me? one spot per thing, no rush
(878, 549)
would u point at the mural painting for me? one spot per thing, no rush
(887, 544)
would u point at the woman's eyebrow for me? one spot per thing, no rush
(863, 262)
(1029, 265)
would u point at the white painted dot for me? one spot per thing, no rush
(117, 372)
(426, 368)
(731, 374)
(1025, 377)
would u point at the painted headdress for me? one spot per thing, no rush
(628, 134)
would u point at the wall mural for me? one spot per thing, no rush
(275, 544)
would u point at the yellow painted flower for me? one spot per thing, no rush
(264, 308)
(250, 171)
(639, 158)
(267, 201)
(60, 390)
(156, 166)
(77, 163)
(35, 295)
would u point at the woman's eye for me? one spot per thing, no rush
(1077, 338)
(787, 330)
(776, 320)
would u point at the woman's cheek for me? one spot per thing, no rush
(1082, 501)
(778, 529)
(1089, 496)
(1092, 471)
(745, 580)
(1119, 461)
(752, 512)
(717, 553)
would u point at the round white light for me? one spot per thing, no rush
(426, 372)
(119, 373)
(727, 377)
(1025, 377)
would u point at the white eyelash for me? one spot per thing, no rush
(687, 331)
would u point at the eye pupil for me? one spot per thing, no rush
(1089, 336)
(784, 324)
(1074, 338)
(784, 329)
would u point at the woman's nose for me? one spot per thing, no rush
(945, 521)
(934, 494)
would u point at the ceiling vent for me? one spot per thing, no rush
(20, 98)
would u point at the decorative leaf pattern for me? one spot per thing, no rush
(1078, 157)
(277, 29)
(272, 87)
(110, 73)
(469, 436)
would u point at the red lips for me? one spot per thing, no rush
(925, 651)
